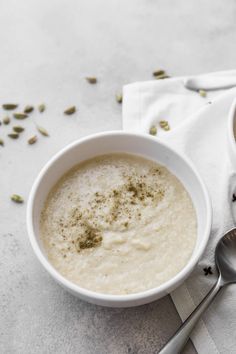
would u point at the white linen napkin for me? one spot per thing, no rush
(199, 130)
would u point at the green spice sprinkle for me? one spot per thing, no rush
(1, 142)
(32, 140)
(17, 198)
(13, 135)
(153, 130)
(9, 106)
(42, 131)
(18, 129)
(6, 120)
(89, 239)
(202, 93)
(20, 116)
(91, 80)
(158, 72)
(70, 110)
(41, 108)
(28, 109)
(164, 125)
(119, 98)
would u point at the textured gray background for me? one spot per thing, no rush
(47, 48)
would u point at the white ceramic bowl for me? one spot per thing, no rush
(232, 133)
(109, 142)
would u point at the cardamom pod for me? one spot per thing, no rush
(153, 130)
(91, 80)
(164, 125)
(158, 72)
(119, 98)
(13, 135)
(32, 140)
(1, 142)
(9, 106)
(41, 108)
(20, 116)
(70, 110)
(202, 93)
(17, 198)
(28, 109)
(18, 129)
(42, 130)
(6, 120)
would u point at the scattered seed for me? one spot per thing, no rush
(28, 109)
(119, 98)
(42, 130)
(17, 198)
(18, 129)
(32, 140)
(91, 80)
(164, 125)
(41, 108)
(9, 106)
(70, 110)
(158, 72)
(153, 130)
(20, 116)
(6, 120)
(13, 135)
(202, 93)
(234, 198)
(1, 142)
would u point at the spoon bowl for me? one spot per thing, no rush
(225, 259)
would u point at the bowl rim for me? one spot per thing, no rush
(112, 298)
(231, 136)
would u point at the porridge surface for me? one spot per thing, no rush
(118, 224)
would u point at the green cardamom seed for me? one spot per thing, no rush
(202, 93)
(158, 72)
(20, 116)
(41, 108)
(9, 106)
(18, 129)
(17, 198)
(6, 120)
(42, 130)
(28, 109)
(13, 135)
(70, 110)
(153, 130)
(164, 125)
(32, 140)
(91, 80)
(119, 98)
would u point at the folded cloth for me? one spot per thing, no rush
(198, 129)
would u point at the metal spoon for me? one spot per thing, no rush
(225, 259)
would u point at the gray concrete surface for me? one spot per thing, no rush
(47, 48)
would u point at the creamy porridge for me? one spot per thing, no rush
(118, 224)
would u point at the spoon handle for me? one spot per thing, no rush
(180, 338)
